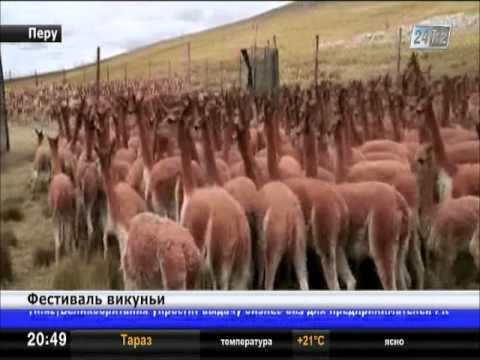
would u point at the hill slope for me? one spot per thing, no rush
(344, 29)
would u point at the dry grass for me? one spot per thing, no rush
(10, 209)
(6, 272)
(8, 238)
(66, 275)
(43, 257)
(33, 229)
(29, 265)
(75, 272)
(11, 214)
(46, 211)
(295, 27)
(465, 273)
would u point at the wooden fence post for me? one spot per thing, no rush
(399, 50)
(4, 129)
(221, 76)
(316, 60)
(98, 73)
(240, 70)
(266, 80)
(206, 74)
(255, 58)
(189, 78)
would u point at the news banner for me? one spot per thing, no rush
(240, 325)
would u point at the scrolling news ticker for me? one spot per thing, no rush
(240, 344)
(30, 33)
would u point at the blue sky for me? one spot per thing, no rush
(115, 26)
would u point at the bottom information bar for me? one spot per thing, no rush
(241, 344)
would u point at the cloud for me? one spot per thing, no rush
(222, 16)
(34, 46)
(190, 15)
(67, 31)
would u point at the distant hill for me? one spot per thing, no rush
(357, 39)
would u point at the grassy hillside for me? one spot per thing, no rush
(295, 26)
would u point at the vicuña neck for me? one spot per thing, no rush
(427, 193)
(109, 184)
(192, 148)
(438, 144)
(123, 127)
(211, 165)
(397, 134)
(446, 107)
(227, 139)
(186, 159)
(56, 165)
(66, 124)
(364, 118)
(341, 168)
(88, 142)
(271, 147)
(309, 150)
(145, 141)
(243, 137)
(78, 124)
(347, 137)
(378, 116)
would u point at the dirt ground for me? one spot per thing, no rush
(28, 222)
(34, 230)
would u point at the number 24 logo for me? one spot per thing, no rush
(421, 36)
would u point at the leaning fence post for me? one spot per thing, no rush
(240, 70)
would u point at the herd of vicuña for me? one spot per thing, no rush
(236, 190)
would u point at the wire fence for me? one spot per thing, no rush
(363, 56)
